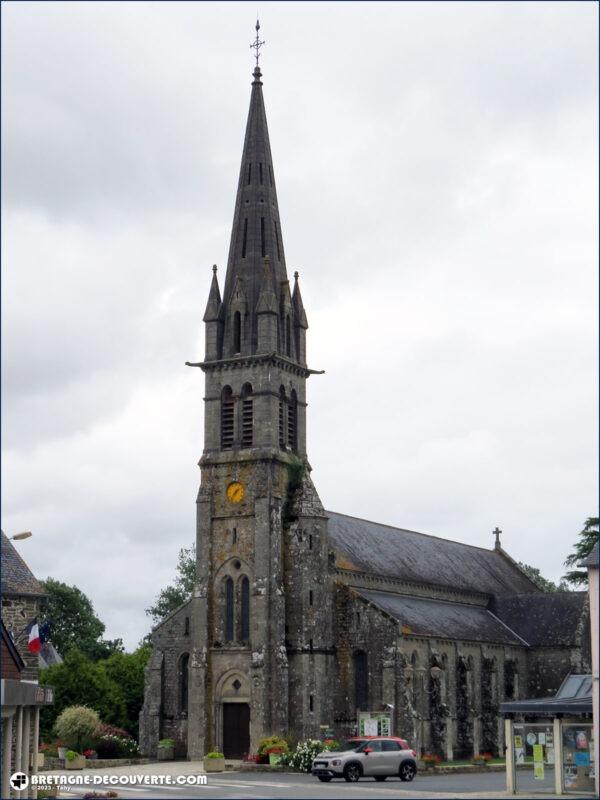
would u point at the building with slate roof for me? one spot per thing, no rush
(302, 618)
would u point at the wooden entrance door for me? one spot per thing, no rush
(236, 729)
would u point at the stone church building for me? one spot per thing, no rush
(301, 618)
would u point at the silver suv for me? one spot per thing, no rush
(378, 757)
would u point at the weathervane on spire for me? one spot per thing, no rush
(257, 44)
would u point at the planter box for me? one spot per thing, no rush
(41, 759)
(165, 753)
(77, 763)
(214, 765)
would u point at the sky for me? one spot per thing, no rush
(437, 175)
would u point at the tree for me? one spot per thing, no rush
(581, 550)
(181, 590)
(76, 725)
(79, 681)
(73, 622)
(543, 583)
(126, 670)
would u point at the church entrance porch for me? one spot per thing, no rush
(236, 730)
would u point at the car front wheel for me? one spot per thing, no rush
(407, 772)
(352, 773)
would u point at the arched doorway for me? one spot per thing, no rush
(233, 714)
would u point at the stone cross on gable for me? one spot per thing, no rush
(497, 533)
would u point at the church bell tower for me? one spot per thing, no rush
(262, 655)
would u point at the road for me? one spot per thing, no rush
(254, 786)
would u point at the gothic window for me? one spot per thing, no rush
(292, 422)
(184, 672)
(245, 238)
(228, 609)
(247, 415)
(245, 615)
(249, 173)
(263, 247)
(361, 681)
(288, 335)
(186, 626)
(282, 405)
(226, 418)
(277, 240)
(237, 332)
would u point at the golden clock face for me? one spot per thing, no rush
(235, 492)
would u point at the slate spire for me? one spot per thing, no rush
(256, 231)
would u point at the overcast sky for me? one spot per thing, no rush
(436, 166)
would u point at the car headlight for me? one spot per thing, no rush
(336, 762)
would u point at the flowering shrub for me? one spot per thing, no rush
(112, 730)
(303, 755)
(272, 744)
(89, 753)
(110, 746)
(481, 758)
(430, 759)
(76, 725)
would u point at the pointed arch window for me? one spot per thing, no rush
(247, 415)
(184, 672)
(361, 680)
(227, 405)
(229, 611)
(282, 405)
(245, 610)
(292, 422)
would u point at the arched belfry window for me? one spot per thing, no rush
(247, 415)
(227, 405)
(229, 611)
(245, 610)
(184, 672)
(282, 405)
(292, 422)
(361, 680)
(237, 332)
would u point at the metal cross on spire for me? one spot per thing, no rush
(257, 44)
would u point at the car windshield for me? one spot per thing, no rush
(353, 744)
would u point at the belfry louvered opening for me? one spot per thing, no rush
(227, 421)
(282, 405)
(247, 415)
(292, 422)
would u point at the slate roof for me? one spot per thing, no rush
(366, 546)
(17, 578)
(592, 559)
(573, 697)
(543, 620)
(441, 619)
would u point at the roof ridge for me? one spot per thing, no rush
(408, 530)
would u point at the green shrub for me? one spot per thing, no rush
(71, 755)
(272, 743)
(167, 743)
(76, 726)
(214, 754)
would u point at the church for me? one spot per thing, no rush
(304, 620)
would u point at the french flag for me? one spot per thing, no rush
(34, 644)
